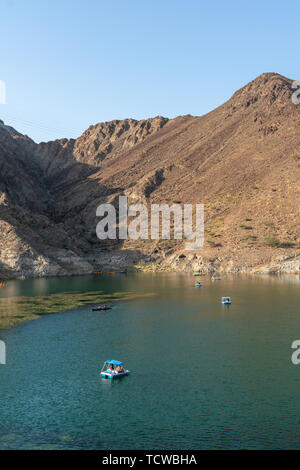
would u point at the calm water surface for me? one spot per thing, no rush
(203, 376)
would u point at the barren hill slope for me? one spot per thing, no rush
(242, 161)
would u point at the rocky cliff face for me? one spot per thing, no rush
(242, 161)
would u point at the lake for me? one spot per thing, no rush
(203, 375)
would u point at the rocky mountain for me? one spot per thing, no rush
(242, 161)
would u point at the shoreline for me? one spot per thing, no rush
(176, 262)
(264, 270)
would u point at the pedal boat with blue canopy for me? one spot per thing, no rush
(113, 370)
(226, 300)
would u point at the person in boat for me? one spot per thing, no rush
(111, 368)
(119, 369)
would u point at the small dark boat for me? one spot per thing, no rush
(99, 309)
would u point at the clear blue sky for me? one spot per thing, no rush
(71, 63)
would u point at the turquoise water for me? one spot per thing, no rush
(203, 375)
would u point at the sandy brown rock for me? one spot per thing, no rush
(242, 161)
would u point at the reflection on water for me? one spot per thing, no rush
(203, 375)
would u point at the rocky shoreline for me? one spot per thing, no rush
(67, 263)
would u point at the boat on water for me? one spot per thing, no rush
(113, 370)
(198, 284)
(101, 308)
(226, 300)
(200, 274)
(216, 278)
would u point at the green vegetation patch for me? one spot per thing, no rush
(272, 241)
(15, 310)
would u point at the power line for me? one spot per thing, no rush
(7, 118)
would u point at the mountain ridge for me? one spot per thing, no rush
(240, 160)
